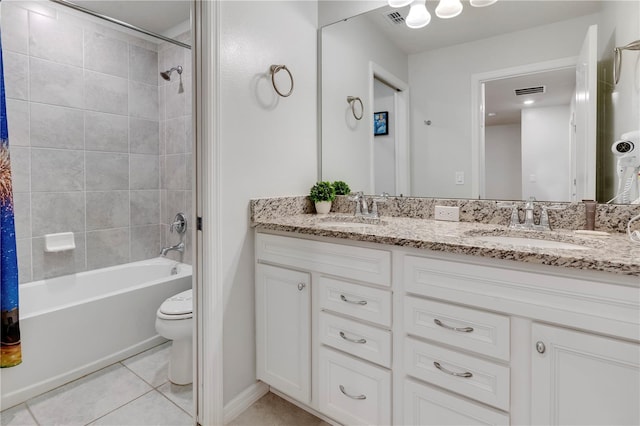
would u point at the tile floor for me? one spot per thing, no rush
(136, 392)
(274, 411)
(132, 392)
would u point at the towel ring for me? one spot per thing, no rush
(274, 71)
(617, 59)
(352, 101)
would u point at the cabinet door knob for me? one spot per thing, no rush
(301, 286)
(540, 347)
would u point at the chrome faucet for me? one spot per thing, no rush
(178, 247)
(178, 225)
(528, 213)
(529, 223)
(362, 205)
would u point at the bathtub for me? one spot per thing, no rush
(76, 324)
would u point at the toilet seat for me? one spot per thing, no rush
(177, 307)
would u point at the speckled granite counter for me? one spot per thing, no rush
(613, 253)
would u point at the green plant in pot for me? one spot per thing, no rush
(341, 188)
(322, 194)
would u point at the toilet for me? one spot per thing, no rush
(174, 321)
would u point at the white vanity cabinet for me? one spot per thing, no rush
(581, 378)
(343, 313)
(404, 336)
(283, 330)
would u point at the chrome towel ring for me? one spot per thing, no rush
(274, 71)
(352, 101)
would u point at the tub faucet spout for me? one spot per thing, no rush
(178, 247)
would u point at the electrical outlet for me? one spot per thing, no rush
(451, 214)
(459, 178)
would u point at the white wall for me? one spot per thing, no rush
(268, 148)
(440, 83)
(384, 158)
(346, 53)
(620, 24)
(503, 162)
(330, 11)
(546, 156)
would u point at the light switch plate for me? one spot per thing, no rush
(451, 214)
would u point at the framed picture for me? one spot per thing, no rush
(381, 123)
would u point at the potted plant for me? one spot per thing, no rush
(322, 194)
(341, 188)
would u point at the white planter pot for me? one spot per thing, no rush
(323, 207)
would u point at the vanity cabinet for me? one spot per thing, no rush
(283, 330)
(412, 337)
(581, 378)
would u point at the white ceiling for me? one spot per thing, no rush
(157, 16)
(501, 100)
(478, 22)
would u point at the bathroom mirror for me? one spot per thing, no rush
(457, 127)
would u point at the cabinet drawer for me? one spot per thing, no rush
(482, 380)
(353, 392)
(424, 405)
(470, 329)
(369, 304)
(358, 263)
(364, 341)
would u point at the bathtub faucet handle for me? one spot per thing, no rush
(179, 224)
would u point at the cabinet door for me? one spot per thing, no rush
(283, 330)
(579, 378)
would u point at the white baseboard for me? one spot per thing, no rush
(244, 400)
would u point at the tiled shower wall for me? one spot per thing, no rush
(84, 111)
(176, 142)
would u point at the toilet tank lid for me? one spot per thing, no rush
(181, 303)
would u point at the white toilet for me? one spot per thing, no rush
(174, 321)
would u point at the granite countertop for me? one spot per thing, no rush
(611, 253)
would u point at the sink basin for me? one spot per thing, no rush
(531, 242)
(351, 225)
(350, 222)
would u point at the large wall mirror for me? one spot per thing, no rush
(502, 102)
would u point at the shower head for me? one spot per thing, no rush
(167, 74)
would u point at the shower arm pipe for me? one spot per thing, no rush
(617, 59)
(121, 23)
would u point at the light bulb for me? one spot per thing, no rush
(399, 3)
(448, 9)
(418, 16)
(482, 3)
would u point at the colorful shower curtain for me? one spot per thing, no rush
(10, 352)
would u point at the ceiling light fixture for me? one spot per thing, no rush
(529, 102)
(419, 16)
(399, 3)
(482, 3)
(448, 9)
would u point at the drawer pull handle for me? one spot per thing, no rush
(352, 396)
(448, 327)
(355, 302)
(352, 340)
(444, 370)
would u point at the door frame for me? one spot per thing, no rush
(400, 125)
(478, 81)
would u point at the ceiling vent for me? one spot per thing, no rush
(530, 90)
(395, 18)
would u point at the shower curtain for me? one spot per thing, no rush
(10, 351)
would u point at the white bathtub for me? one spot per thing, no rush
(76, 324)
